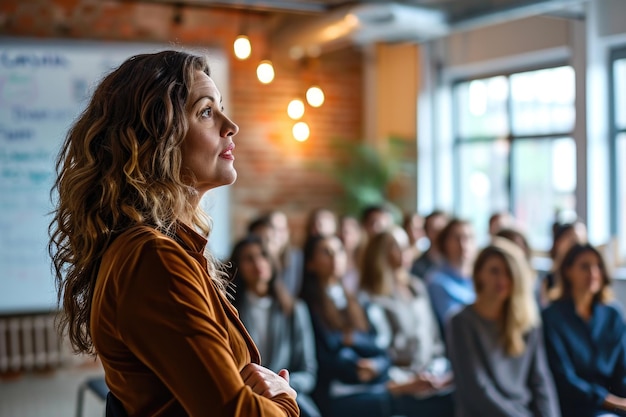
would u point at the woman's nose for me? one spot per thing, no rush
(229, 128)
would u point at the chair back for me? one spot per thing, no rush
(114, 407)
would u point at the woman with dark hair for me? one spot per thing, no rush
(128, 242)
(353, 369)
(281, 331)
(586, 338)
(450, 284)
(495, 344)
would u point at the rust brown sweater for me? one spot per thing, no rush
(171, 344)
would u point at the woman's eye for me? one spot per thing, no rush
(206, 112)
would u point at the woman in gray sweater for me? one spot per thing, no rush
(495, 345)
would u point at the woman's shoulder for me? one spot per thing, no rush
(138, 236)
(463, 316)
(614, 310)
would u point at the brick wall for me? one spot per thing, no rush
(275, 171)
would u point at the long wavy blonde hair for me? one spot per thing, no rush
(520, 309)
(120, 166)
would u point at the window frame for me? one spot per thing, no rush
(458, 141)
(615, 54)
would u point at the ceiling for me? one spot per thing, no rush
(314, 26)
(454, 10)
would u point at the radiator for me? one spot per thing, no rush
(29, 342)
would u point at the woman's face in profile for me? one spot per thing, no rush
(207, 150)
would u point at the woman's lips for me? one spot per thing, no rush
(228, 153)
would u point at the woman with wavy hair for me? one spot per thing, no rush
(400, 311)
(495, 344)
(128, 244)
(586, 337)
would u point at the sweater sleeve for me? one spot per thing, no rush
(441, 301)
(342, 360)
(544, 398)
(475, 389)
(570, 384)
(303, 375)
(173, 321)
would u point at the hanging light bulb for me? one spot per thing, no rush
(242, 47)
(315, 96)
(265, 72)
(300, 131)
(295, 109)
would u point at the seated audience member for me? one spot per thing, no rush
(320, 222)
(413, 225)
(496, 346)
(407, 327)
(351, 235)
(263, 228)
(353, 370)
(586, 338)
(498, 221)
(282, 333)
(433, 224)
(450, 284)
(565, 236)
(518, 238)
(375, 219)
(288, 258)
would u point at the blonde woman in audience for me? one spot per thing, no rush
(495, 344)
(586, 338)
(353, 375)
(407, 328)
(282, 331)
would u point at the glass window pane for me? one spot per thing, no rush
(543, 181)
(483, 173)
(542, 101)
(481, 106)
(621, 194)
(619, 69)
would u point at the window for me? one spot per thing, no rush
(514, 150)
(618, 148)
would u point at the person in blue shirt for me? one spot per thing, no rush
(450, 284)
(585, 338)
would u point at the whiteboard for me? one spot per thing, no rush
(44, 85)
